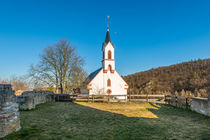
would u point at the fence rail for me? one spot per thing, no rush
(178, 101)
(121, 98)
(173, 100)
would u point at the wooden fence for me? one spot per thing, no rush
(121, 98)
(63, 97)
(173, 100)
(183, 102)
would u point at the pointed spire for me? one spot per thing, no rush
(107, 39)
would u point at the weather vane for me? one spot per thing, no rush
(108, 22)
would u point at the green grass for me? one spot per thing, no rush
(111, 121)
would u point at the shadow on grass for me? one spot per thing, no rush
(155, 105)
(76, 121)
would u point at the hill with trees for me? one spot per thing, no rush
(185, 79)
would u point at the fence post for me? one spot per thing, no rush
(165, 98)
(88, 98)
(176, 100)
(93, 98)
(186, 102)
(168, 99)
(108, 98)
(147, 97)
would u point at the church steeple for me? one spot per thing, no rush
(106, 80)
(108, 62)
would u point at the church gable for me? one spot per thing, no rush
(121, 78)
(109, 44)
(105, 83)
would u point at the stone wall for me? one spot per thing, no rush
(9, 115)
(29, 99)
(201, 105)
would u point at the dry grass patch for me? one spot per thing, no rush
(127, 109)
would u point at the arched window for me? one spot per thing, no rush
(109, 54)
(110, 67)
(109, 83)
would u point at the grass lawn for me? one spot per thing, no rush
(59, 120)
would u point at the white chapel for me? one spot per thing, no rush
(106, 80)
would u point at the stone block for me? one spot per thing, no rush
(9, 115)
(29, 99)
(200, 105)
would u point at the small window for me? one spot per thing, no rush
(109, 91)
(109, 83)
(109, 54)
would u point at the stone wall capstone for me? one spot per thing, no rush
(9, 114)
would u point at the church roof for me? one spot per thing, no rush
(92, 75)
(108, 38)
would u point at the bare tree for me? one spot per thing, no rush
(59, 67)
(19, 82)
(4, 81)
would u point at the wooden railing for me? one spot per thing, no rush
(178, 101)
(173, 100)
(63, 97)
(121, 98)
(146, 98)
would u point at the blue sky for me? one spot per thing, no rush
(146, 33)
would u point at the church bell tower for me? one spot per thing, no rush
(108, 62)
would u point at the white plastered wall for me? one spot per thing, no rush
(99, 84)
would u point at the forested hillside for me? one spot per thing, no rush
(186, 79)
